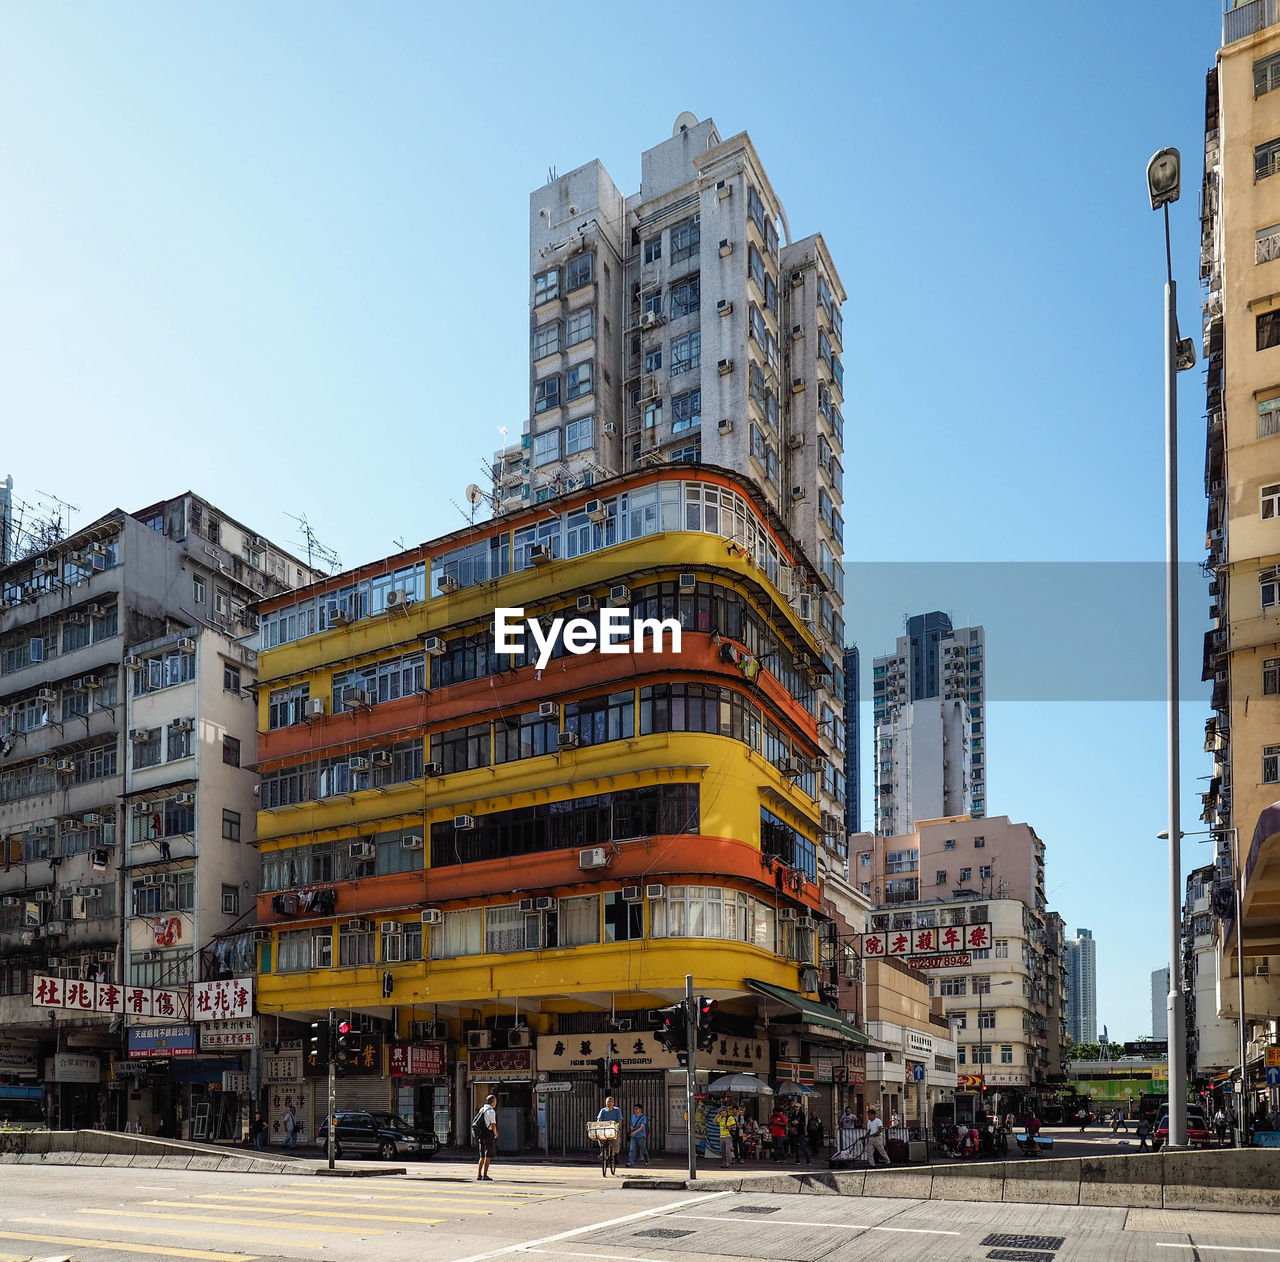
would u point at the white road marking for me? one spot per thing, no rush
(1232, 1248)
(154, 1187)
(791, 1222)
(529, 1246)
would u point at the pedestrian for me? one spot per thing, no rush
(737, 1134)
(639, 1150)
(1123, 1115)
(778, 1132)
(1220, 1127)
(611, 1113)
(727, 1121)
(484, 1130)
(798, 1138)
(290, 1128)
(1144, 1133)
(258, 1130)
(815, 1135)
(894, 1120)
(875, 1139)
(1083, 1118)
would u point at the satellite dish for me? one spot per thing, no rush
(474, 494)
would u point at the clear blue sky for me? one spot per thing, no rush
(277, 253)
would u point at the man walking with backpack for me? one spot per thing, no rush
(484, 1130)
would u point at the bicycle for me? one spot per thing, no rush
(606, 1135)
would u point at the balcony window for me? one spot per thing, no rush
(546, 394)
(578, 272)
(1266, 244)
(546, 286)
(1266, 75)
(685, 239)
(1267, 327)
(1266, 159)
(580, 326)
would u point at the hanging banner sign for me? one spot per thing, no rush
(157, 1042)
(221, 1000)
(239, 1033)
(132, 1001)
(905, 943)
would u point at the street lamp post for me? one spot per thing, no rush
(1164, 176)
(982, 1064)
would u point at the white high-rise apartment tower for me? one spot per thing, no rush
(1082, 988)
(930, 725)
(682, 324)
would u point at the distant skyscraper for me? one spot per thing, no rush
(1082, 992)
(1160, 1004)
(852, 753)
(930, 739)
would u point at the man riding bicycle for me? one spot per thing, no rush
(611, 1113)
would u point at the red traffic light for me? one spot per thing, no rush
(344, 1027)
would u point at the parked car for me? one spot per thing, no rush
(1198, 1134)
(382, 1135)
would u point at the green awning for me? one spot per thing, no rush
(811, 1011)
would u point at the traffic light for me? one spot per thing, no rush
(706, 1017)
(615, 1075)
(344, 1046)
(673, 1028)
(318, 1047)
(602, 1074)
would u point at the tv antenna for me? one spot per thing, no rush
(321, 559)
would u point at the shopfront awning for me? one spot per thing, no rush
(811, 1012)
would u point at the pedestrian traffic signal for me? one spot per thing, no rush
(615, 1075)
(602, 1073)
(706, 1017)
(344, 1047)
(318, 1046)
(673, 1028)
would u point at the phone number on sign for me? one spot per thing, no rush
(962, 960)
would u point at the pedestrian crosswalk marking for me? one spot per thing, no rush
(411, 1188)
(164, 1251)
(216, 1218)
(355, 1199)
(309, 1213)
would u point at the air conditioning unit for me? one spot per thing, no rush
(336, 615)
(66, 765)
(479, 1040)
(88, 891)
(548, 710)
(133, 662)
(688, 582)
(139, 733)
(655, 891)
(649, 319)
(724, 367)
(89, 683)
(786, 913)
(182, 725)
(434, 646)
(723, 189)
(433, 769)
(4, 711)
(620, 595)
(357, 764)
(95, 610)
(185, 799)
(797, 385)
(152, 879)
(150, 956)
(391, 926)
(724, 307)
(726, 247)
(522, 1037)
(797, 493)
(539, 553)
(10, 901)
(47, 696)
(186, 645)
(314, 708)
(46, 565)
(797, 277)
(91, 819)
(725, 425)
(568, 740)
(354, 697)
(71, 826)
(432, 916)
(446, 583)
(397, 598)
(806, 922)
(526, 904)
(45, 763)
(609, 429)
(362, 850)
(360, 926)
(464, 822)
(411, 841)
(381, 758)
(586, 604)
(631, 893)
(596, 857)
(797, 332)
(104, 957)
(795, 441)
(597, 512)
(546, 903)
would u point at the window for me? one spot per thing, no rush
(686, 298)
(960, 1060)
(949, 844)
(230, 900)
(1271, 764)
(1002, 948)
(1269, 588)
(966, 874)
(577, 381)
(546, 394)
(355, 946)
(1270, 676)
(230, 678)
(980, 1054)
(986, 1018)
(978, 842)
(941, 877)
(199, 589)
(1267, 326)
(685, 239)
(864, 859)
(653, 249)
(546, 286)
(1266, 75)
(231, 751)
(230, 825)
(146, 751)
(1006, 1054)
(178, 744)
(1266, 243)
(952, 986)
(686, 411)
(546, 340)
(287, 706)
(623, 921)
(577, 436)
(653, 414)
(984, 872)
(653, 360)
(546, 447)
(1270, 497)
(460, 933)
(580, 326)
(686, 353)
(578, 272)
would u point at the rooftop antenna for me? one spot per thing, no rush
(321, 559)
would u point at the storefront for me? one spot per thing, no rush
(155, 1102)
(420, 1079)
(285, 1088)
(508, 1074)
(72, 1080)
